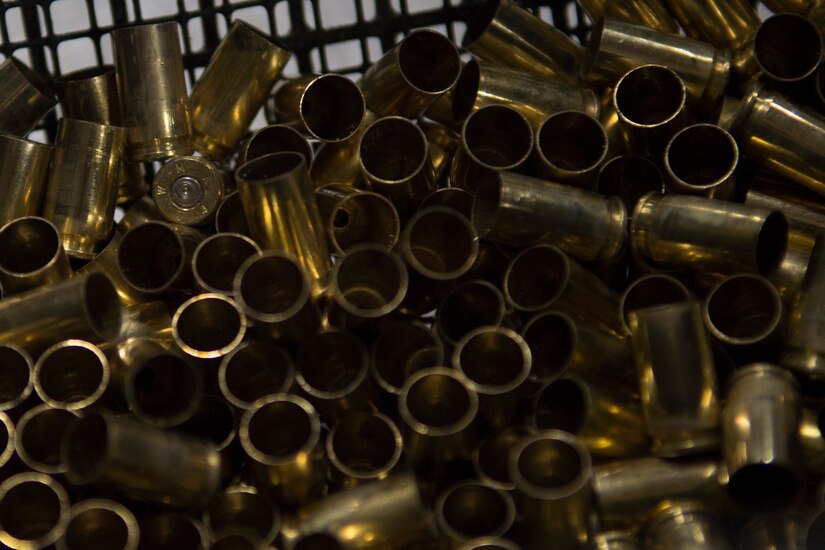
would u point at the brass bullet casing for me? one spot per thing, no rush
(82, 189)
(802, 343)
(520, 211)
(388, 514)
(605, 418)
(701, 160)
(761, 438)
(160, 387)
(411, 76)
(782, 136)
(709, 235)
(443, 144)
(340, 162)
(242, 508)
(254, 370)
(16, 382)
(31, 255)
(106, 263)
(570, 148)
(395, 162)
(684, 525)
(468, 306)
(274, 292)
(281, 435)
(677, 381)
(655, 289)
(209, 325)
(171, 530)
(90, 94)
(471, 509)
(355, 216)
(230, 217)
(147, 320)
(402, 348)
(439, 244)
(85, 306)
(102, 448)
(327, 107)
(275, 138)
(277, 187)
(98, 519)
(72, 375)
(217, 259)
(153, 98)
(362, 447)
(627, 492)
(726, 25)
(534, 96)
(34, 511)
(648, 13)
(188, 190)
(37, 437)
(458, 199)
(24, 169)
(617, 46)
(503, 33)
(26, 98)
(141, 211)
(232, 89)
(489, 543)
(629, 177)
(496, 362)
(557, 506)
(491, 455)
(650, 101)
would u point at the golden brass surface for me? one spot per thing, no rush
(34, 511)
(188, 190)
(254, 370)
(684, 525)
(209, 325)
(650, 13)
(493, 512)
(362, 447)
(275, 138)
(570, 148)
(24, 171)
(701, 159)
(217, 259)
(72, 375)
(355, 216)
(327, 107)
(242, 508)
(37, 437)
(727, 24)
(26, 98)
(16, 384)
(31, 255)
(97, 519)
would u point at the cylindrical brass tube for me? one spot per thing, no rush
(232, 89)
(254, 370)
(188, 190)
(26, 98)
(629, 177)
(468, 306)
(503, 33)
(16, 382)
(24, 169)
(82, 189)
(106, 263)
(534, 96)
(34, 511)
(274, 292)
(650, 13)
(443, 144)
(101, 448)
(340, 161)
(230, 217)
(701, 160)
(803, 352)
(362, 447)
(655, 289)
(724, 24)
(491, 455)
(402, 348)
(217, 259)
(411, 76)
(684, 525)
(85, 306)
(710, 235)
(282, 213)
(519, 210)
(496, 137)
(153, 99)
(89, 94)
(604, 418)
(31, 255)
(677, 382)
(102, 524)
(275, 138)
(141, 211)
(171, 530)
(557, 506)
(354, 216)
(72, 375)
(243, 509)
(471, 509)
(37, 437)
(761, 438)
(570, 147)
(327, 107)
(281, 435)
(616, 540)
(209, 325)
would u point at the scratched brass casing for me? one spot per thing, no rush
(98, 519)
(761, 438)
(254, 370)
(520, 211)
(282, 213)
(209, 325)
(26, 98)
(16, 383)
(684, 525)
(171, 530)
(275, 138)
(24, 171)
(651, 290)
(31, 255)
(554, 507)
(188, 190)
(629, 177)
(82, 188)
(493, 512)
(503, 33)
(89, 94)
(411, 76)
(492, 453)
(468, 306)
(604, 417)
(281, 435)
(648, 13)
(534, 96)
(362, 447)
(724, 24)
(153, 100)
(37, 437)
(327, 107)
(677, 381)
(701, 159)
(34, 511)
(402, 348)
(710, 235)
(802, 341)
(232, 89)
(85, 306)
(274, 292)
(105, 449)
(616, 47)
(217, 259)
(242, 508)
(355, 216)
(782, 136)
(72, 375)
(570, 148)
(628, 491)
(340, 162)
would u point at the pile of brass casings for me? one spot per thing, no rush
(540, 296)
